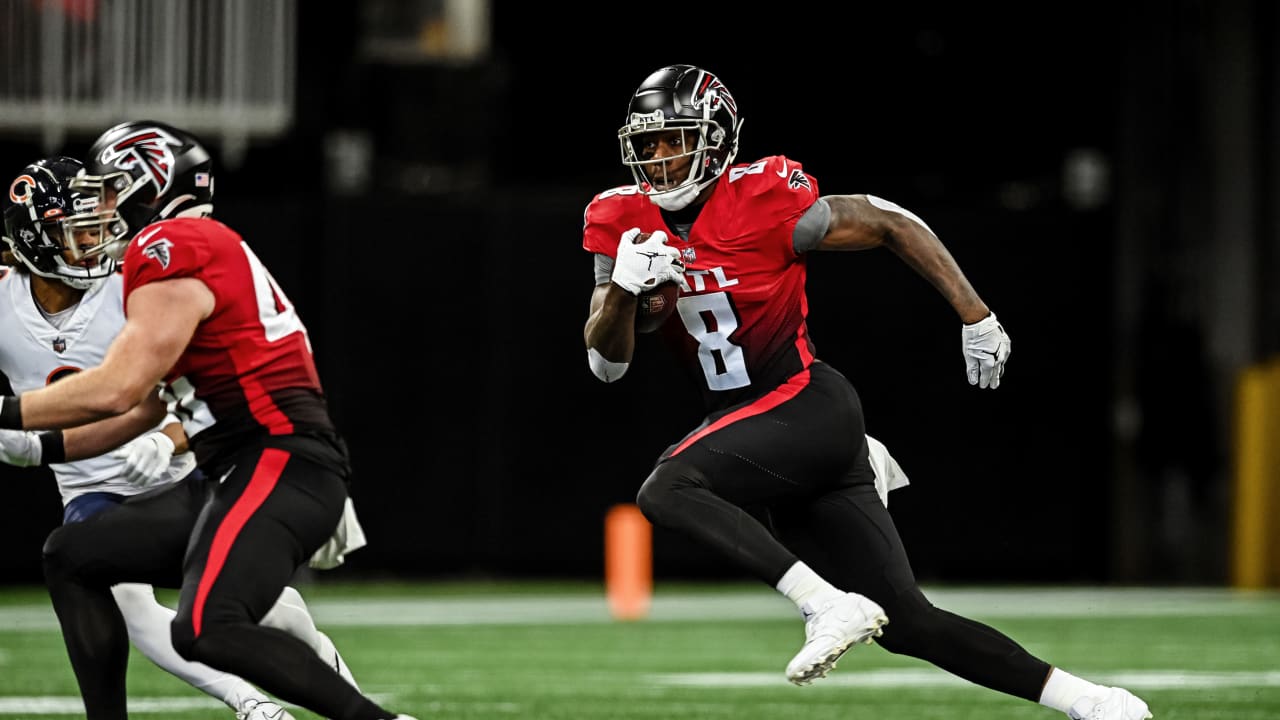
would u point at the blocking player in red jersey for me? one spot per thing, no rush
(784, 430)
(205, 320)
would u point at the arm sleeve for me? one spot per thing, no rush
(811, 227)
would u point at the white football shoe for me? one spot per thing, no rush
(262, 710)
(836, 626)
(1117, 704)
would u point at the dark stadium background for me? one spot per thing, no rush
(446, 297)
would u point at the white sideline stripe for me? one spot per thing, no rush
(761, 604)
(1145, 680)
(869, 679)
(73, 705)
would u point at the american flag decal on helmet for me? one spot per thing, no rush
(149, 148)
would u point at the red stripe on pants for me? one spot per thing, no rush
(260, 486)
(764, 403)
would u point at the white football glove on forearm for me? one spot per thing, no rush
(986, 348)
(644, 266)
(20, 448)
(145, 458)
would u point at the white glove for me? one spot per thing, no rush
(986, 348)
(646, 265)
(20, 448)
(145, 458)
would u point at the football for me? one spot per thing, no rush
(653, 307)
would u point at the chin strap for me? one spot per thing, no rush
(680, 198)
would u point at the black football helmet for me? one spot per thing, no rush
(681, 97)
(147, 171)
(40, 225)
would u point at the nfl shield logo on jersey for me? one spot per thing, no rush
(59, 345)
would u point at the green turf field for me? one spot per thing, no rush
(552, 652)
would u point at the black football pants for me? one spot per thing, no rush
(231, 547)
(786, 478)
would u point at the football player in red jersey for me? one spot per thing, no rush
(206, 321)
(784, 430)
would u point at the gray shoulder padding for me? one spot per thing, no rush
(812, 227)
(604, 268)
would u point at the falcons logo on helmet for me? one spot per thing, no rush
(711, 91)
(159, 251)
(150, 149)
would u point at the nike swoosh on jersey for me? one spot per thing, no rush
(783, 172)
(142, 239)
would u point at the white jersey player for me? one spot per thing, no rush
(41, 347)
(60, 307)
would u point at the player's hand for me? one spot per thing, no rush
(20, 448)
(645, 265)
(146, 458)
(986, 348)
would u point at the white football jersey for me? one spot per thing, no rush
(34, 353)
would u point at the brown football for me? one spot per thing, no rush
(655, 306)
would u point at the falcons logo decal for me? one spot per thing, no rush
(710, 91)
(150, 149)
(797, 180)
(159, 251)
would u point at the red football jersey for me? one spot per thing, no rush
(248, 369)
(742, 305)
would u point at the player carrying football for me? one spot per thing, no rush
(784, 430)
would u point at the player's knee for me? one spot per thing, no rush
(183, 637)
(656, 494)
(660, 496)
(58, 555)
(196, 642)
(211, 646)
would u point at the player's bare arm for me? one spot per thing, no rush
(610, 328)
(177, 436)
(163, 316)
(860, 222)
(96, 438)
(644, 261)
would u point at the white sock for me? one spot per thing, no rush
(1062, 689)
(291, 615)
(331, 651)
(806, 588)
(148, 624)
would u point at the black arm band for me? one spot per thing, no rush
(52, 449)
(11, 412)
